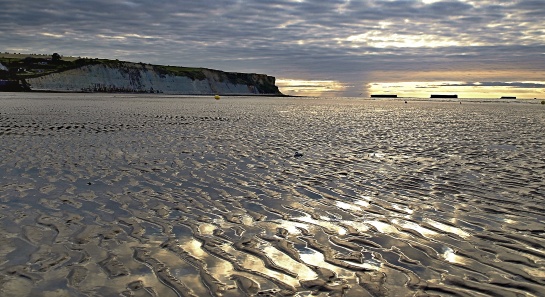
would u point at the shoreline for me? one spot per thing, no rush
(420, 99)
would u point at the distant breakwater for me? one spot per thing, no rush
(383, 96)
(444, 96)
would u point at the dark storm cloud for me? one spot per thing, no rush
(340, 40)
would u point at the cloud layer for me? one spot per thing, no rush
(352, 42)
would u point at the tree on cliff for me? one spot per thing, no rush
(55, 57)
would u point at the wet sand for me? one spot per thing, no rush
(122, 195)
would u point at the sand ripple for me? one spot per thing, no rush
(105, 195)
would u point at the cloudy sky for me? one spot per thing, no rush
(475, 48)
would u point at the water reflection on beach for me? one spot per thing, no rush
(135, 195)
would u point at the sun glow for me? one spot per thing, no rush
(422, 89)
(300, 87)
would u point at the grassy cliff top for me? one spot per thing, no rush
(35, 65)
(14, 56)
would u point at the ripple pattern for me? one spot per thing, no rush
(134, 195)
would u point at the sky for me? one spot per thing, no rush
(412, 48)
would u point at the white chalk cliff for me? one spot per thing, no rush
(135, 77)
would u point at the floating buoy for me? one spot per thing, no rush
(217, 97)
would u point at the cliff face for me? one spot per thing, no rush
(134, 77)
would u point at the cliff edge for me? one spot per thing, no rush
(94, 75)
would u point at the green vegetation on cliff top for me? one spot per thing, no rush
(21, 66)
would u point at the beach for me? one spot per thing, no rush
(163, 195)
